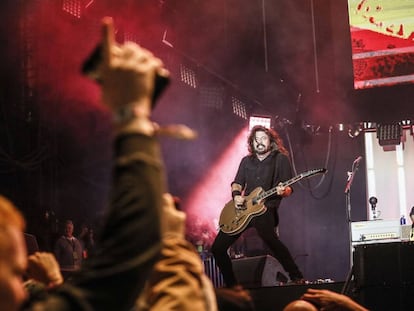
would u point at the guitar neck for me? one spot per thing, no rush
(289, 182)
(269, 192)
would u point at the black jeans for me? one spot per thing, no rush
(264, 225)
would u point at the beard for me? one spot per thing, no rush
(262, 150)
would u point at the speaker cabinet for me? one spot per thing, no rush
(407, 263)
(377, 264)
(259, 271)
(384, 276)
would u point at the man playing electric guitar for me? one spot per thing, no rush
(266, 166)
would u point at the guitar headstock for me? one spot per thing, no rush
(315, 171)
(306, 174)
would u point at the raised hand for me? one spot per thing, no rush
(44, 268)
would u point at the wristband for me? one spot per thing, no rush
(235, 192)
(287, 192)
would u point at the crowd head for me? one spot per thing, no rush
(13, 256)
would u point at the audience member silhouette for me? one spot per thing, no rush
(87, 240)
(68, 250)
(130, 241)
(177, 281)
(13, 256)
(324, 299)
(300, 305)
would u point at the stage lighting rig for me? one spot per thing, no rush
(389, 134)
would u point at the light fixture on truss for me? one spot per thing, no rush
(260, 120)
(239, 107)
(354, 130)
(73, 7)
(389, 134)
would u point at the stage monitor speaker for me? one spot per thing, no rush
(259, 271)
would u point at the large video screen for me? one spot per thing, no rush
(382, 34)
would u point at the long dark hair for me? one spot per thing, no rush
(276, 142)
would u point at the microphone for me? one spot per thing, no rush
(373, 201)
(351, 174)
(357, 160)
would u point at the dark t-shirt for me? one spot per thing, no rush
(268, 173)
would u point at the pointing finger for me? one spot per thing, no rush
(108, 40)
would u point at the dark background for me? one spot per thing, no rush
(290, 60)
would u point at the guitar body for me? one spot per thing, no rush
(233, 221)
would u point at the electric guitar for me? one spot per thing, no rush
(234, 220)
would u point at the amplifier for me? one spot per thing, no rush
(375, 230)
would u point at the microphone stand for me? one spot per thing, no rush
(347, 191)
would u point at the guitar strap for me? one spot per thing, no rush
(275, 166)
(274, 178)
